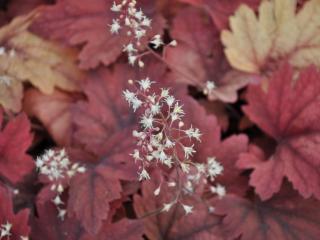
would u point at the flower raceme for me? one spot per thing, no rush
(163, 139)
(56, 166)
(136, 25)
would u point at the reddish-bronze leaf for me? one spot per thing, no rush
(288, 112)
(203, 61)
(284, 217)
(123, 229)
(15, 139)
(19, 221)
(48, 226)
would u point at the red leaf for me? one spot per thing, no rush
(220, 11)
(227, 151)
(286, 216)
(21, 7)
(48, 226)
(104, 127)
(86, 23)
(19, 221)
(203, 61)
(15, 139)
(173, 224)
(124, 229)
(288, 112)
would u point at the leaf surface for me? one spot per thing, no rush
(288, 112)
(15, 139)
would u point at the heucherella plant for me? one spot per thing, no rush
(135, 24)
(56, 166)
(163, 139)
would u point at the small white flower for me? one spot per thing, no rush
(57, 200)
(155, 108)
(214, 167)
(24, 238)
(145, 84)
(129, 48)
(188, 151)
(115, 7)
(136, 103)
(173, 43)
(136, 155)
(5, 230)
(210, 85)
(147, 121)
(139, 15)
(187, 208)
(219, 190)
(167, 206)
(129, 96)
(156, 41)
(144, 175)
(61, 213)
(164, 93)
(146, 22)
(170, 100)
(115, 26)
(193, 133)
(140, 33)
(157, 191)
(185, 167)
(132, 59)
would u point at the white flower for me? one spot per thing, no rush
(136, 155)
(188, 151)
(145, 84)
(156, 41)
(214, 167)
(219, 190)
(155, 108)
(129, 96)
(139, 15)
(24, 238)
(146, 22)
(193, 133)
(57, 200)
(167, 206)
(170, 100)
(115, 7)
(132, 59)
(144, 175)
(173, 43)
(61, 213)
(115, 26)
(157, 191)
(147, 121)
(136, 103)
(140, 33)
(129, 48)
(164, 92)
(185, 167)
(210, 85)
(187, 208)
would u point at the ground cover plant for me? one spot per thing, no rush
(159, 119)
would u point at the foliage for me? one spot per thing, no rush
(243, 100)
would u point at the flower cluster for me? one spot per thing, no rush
(163, 139)
(136, 24)
(56, 166)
